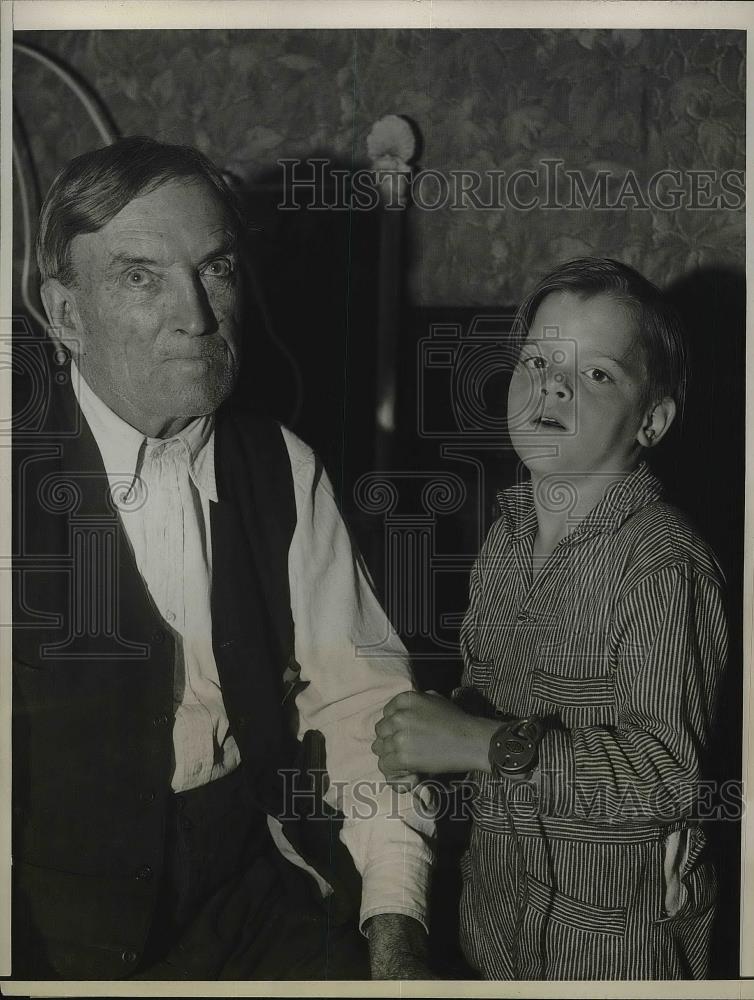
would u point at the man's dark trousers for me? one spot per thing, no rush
(233, 908)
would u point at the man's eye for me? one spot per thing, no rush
(597, 375)
(219, 268)
(137, 277)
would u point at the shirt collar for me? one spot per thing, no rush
(123, 447)
(518, 511)
(620, 501)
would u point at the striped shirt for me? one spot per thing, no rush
(619, 641)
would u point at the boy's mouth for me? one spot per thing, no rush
(549, 422)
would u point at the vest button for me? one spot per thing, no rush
(524, 616)
(160, 720)
(144, 874)
(158, 637)
(148, 795)
(128, 957)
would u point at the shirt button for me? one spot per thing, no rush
(144, 874)
(170, 615)
(128, 957)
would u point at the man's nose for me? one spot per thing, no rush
(556, 383)
(192, 310)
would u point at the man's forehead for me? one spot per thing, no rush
(178, 216)
(177, 204)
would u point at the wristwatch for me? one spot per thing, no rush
(514, 746)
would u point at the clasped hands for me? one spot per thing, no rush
(424, 733)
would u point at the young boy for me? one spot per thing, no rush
(593, 645)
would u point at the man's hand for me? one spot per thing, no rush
(427, 734)
(397, 947)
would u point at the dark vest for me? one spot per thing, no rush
(93, 686)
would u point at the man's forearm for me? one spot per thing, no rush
(397, 947)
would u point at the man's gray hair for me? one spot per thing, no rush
(95, 186)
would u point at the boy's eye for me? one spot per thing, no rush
(597, 375)
(535, 361)
(221, 267)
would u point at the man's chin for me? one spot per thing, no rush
(197, 398)
(199, 403)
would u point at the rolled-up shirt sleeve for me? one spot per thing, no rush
(352, 664)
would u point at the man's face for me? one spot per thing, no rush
(576, 400)
(156, 293)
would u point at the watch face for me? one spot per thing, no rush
(514, 747)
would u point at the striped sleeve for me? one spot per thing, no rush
(469, 626)
(670, 644)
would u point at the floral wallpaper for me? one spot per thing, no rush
(624, 105)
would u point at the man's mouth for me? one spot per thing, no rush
(208, 353)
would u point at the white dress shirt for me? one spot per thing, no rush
(349, 655)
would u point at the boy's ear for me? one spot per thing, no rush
(657, 423)
(63, 316)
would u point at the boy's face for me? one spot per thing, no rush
(576, 400)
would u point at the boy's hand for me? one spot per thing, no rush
(427, 734)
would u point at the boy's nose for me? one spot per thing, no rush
(557, 384)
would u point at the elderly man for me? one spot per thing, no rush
(186, 626)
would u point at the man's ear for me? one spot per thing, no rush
(656, 423)
(62, 314)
